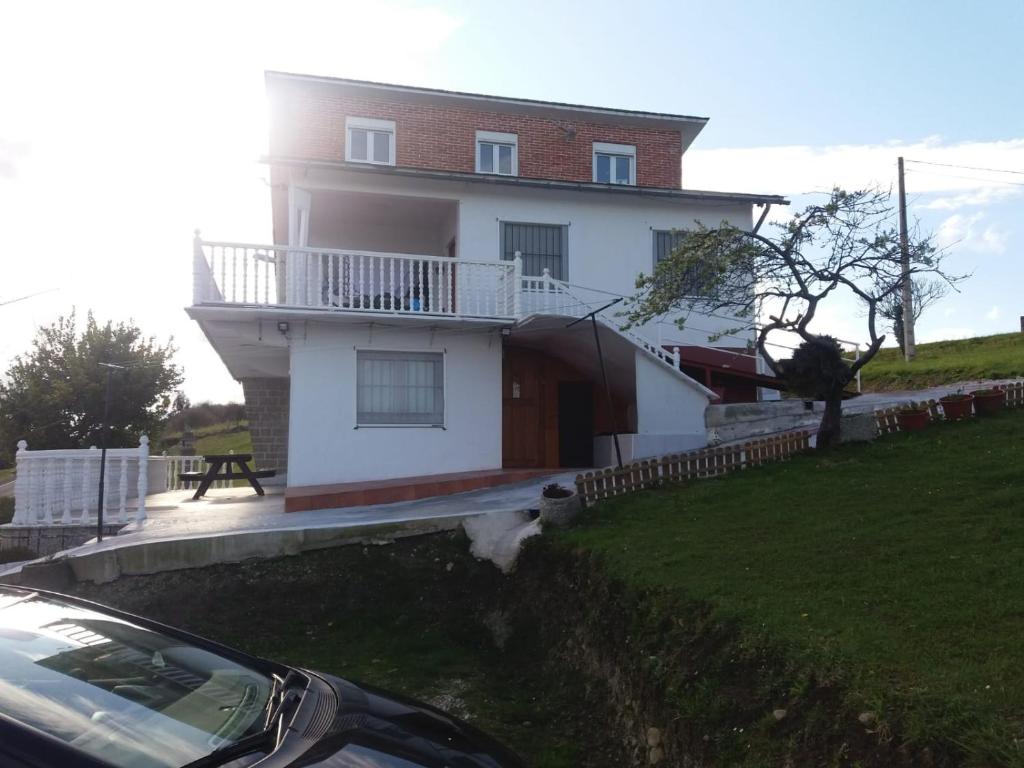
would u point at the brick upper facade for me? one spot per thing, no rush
(308, 122)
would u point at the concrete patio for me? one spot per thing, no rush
(233, 524)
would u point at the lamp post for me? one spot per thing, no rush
(111, 367)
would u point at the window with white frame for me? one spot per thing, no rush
(399, 388)
(614, 163)
(497, 153)
(370, 141)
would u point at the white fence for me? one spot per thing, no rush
(61, 487)
(353, 281)
(175, 465)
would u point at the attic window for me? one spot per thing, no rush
(497, 153)
(614, 163)
(370, 141)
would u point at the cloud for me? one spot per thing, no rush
(993, 314)
(802, 169)
(967, 232)
(974, 198)
(10, 153)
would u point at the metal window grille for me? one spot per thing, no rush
(666, 241)
(540, 245)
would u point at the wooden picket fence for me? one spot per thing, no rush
(676, 468)
(888, 421)
(711, 462)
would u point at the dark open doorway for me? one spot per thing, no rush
(575, 424)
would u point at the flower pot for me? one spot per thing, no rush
(956, 407)
(560, 511)
(913, 420)
(988, 402)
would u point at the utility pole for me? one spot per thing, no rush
(111, 367)
(909, 346)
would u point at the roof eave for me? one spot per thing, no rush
(523, 182)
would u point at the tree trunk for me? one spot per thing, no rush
(829, 429)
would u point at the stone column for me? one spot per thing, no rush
(266, 406)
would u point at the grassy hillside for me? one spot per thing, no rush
(223, 437)
(893, 566)
(944, 362)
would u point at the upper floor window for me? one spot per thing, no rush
(370, 141)
(665, 242)
(540, 246)
(497, 153)
(614, 163)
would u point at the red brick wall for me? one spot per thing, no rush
(308, 121)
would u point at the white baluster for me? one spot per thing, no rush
(143, 484)
(122, 491)
(85, 489)
(21, 486)
(391, 284)
(401, 283)
(66, 519)
(546, 289)
(675, 357)
(223, 271)
(359, 279)
(517, 285)
(331, 282)
(49, 479)
(418, 283)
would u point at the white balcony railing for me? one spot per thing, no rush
(354, 281)
(59, 487)
(394, 283)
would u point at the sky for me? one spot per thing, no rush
(126, 126)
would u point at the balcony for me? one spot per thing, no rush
(363, 282)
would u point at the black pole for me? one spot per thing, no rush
(604, 373)
(103, 457)
(607, 390)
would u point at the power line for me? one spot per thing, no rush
(970, 178)
(967, 167)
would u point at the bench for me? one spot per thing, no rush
(192, 477)
(220, 461)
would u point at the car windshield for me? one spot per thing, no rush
(127, 695)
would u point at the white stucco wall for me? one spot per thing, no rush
(325, 447)
(610, 234)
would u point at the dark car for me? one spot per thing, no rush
(82, 685)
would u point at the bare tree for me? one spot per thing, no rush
(776, 284)
(924, 293)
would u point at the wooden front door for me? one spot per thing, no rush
(522, 409)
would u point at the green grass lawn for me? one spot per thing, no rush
(943, 362)
(898, 566)
(224, 442)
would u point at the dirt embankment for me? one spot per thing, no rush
(567, 665)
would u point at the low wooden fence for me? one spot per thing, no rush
(706, 462)
(711, 462)
(888, 418)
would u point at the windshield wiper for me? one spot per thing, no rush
(281, 697)
(266, 739)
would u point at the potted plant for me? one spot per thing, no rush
(913, 418)
(988, 402)
(957, 406)
(559, 506)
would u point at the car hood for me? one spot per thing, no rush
(377, 729)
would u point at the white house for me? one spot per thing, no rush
(408, 332)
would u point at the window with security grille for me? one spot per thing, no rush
(400, 388)
(666, 241)
(539, 245)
